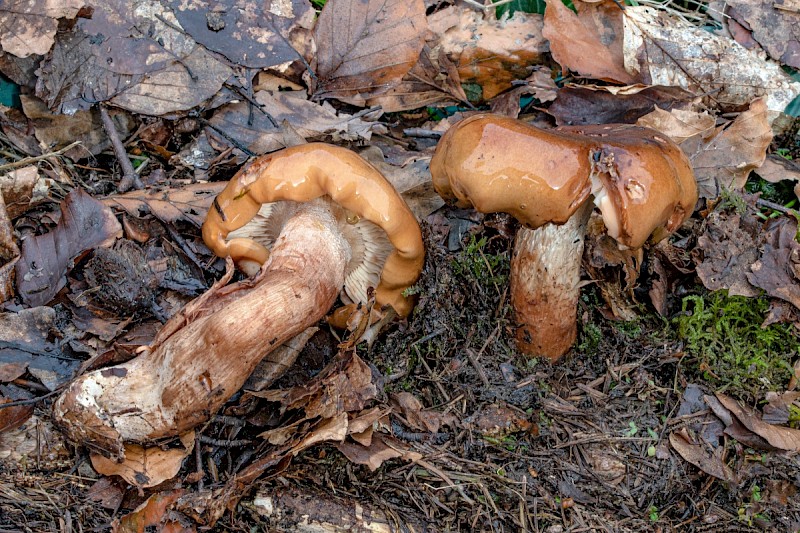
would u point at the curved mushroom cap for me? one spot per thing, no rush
(309, 171)
(643, 182)
(370, 247)
(499, 164)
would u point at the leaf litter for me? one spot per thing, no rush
(438, 423)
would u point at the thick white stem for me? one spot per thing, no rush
(545, 285)
(183, 381)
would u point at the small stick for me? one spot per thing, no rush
(776, 207)
(129, 177)
(422, 133)
(29, 160)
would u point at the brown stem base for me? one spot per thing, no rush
(545, 277)
(185, 377)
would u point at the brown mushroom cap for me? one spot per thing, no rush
(641, 180)
(309, 171)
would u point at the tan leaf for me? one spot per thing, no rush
(725, 160)
(365, 47)
(331, 429)
(776, 168)
(28, 27)
(679, 124)
(22, 188)
(701, 456)
(146, 467)
(781, 437)
(579, 42)
(152, 515)
(665, 50)
(189, 202)
(489, 53)
(9, 254)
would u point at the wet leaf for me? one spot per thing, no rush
(724, 160)
(28, 27)
(250, 34)
(489, 53)
(777, 271)
(146, 467)
(781, 437)
(45, 259)
(590, 42)
(774, 29)
(365, 47)
(664, 50)
(701, 457)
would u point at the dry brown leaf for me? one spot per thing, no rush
(489, 53)
(277, 362)
(577, 105)
(253, 129)
(775, 29)
(701, 457)
(146, 467)
(724, 161)
(151, 516)
(190, 202)
(776, 168)
(540, 84)
(37, 441)
(778, 406)
(781, 437)
(332, 429)
(365, 47)
(372, 456)
(726, 248)
(589, 42)
(250, 34)
(777, 271)
(23, 188)
(679, 124)
(9, 253)
(665, 50)
(45, 259)
(28, 27)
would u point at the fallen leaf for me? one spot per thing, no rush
(365, 47)
(591, 104)
(777, 271)
(679, 124)
(776, 169)
(146, 467)
(9, 254)
(152, 516)
(665, 50)
(727, 246)
(701, 457)
(372, 456)
(489, 54)
(22, 189)
(774, 29)
(724, 160)
(12, 417)
(332, 429)
(777, 409)
(253, 128)
(189, 202)
(498, 420)
(250, 34)
(276, 362)
(37, 442)
(45, 259)
(28, 27)
(781, 437)
(588, 42)
(107, 493)
(540, 84)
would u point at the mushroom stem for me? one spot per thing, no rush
(200, 360)
(546, 285)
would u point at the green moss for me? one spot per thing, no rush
(487, 269)
(730, 347)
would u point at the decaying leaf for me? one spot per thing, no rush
(251, 34)
(9, 253)
(146, 467)
(777, 271)
(365, 47)
(152, 515)
(664, 50)
(28, 27)
(776, 168)
(724, 160)
(679, 124)
(374, 455)
(489, 53)
(726, 248)
(22, 189)
(11, 418)
(253, 129)
(540, 84)
(701, 457)
(775, 29)
(777, 408)
(189, 202)
(782, 438)
(589, 43)
(45, 259)
(36, 440)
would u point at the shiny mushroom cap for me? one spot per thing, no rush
(310, 171)
(370, 247)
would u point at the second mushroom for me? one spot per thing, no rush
(640, 180)
(203, 355)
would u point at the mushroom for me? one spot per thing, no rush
(204, 354)
(640, 180)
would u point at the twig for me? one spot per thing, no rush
(29, 400)
(224, 443)
(422, 133)
(777, 207)
(29, 160)
(129, 176)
